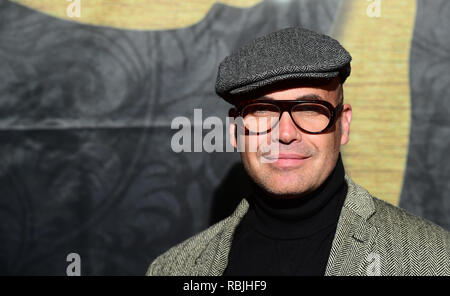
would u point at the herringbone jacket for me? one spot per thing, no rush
(372, 238)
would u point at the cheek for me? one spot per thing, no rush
(248, 147)
(326, 145)
(251, 164)
(253, 143)
(338, 133)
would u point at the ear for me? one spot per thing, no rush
(346, 118)
(232, 130)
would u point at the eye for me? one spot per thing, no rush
(261, 109)
(311, 117)
(311, 110)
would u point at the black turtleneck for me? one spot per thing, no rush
(290, 236)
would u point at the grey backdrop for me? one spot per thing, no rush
(426, 186)
(85, 159)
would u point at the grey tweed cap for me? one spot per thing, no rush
(286, 55)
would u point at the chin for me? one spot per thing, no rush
(284, 189)
(285, 194)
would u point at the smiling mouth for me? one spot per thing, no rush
(286, 160)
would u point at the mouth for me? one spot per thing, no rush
(286, 160)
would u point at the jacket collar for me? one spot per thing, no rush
(358, 200)
(352, 243)
(354, 239)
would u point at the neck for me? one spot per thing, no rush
(320, 208)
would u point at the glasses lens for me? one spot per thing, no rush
(311, 117)
(260, 117)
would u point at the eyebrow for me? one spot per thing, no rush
(304, 97)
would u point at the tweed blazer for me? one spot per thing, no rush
(372, 238)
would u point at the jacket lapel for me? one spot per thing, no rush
(222, 245)
(351, 251)
(352, 244)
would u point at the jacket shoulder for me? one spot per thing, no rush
(401, 217)
(205, 253)
(417, 246)
(181, 258)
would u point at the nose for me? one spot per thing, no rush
(288, 131)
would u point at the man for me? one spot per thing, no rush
(305, 215)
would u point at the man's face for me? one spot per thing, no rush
(304, 160)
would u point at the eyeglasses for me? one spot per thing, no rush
(310, 116)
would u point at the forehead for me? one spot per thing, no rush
(326, 91)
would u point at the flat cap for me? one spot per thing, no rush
(286, 55)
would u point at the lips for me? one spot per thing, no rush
(290, 156)
(286, 160)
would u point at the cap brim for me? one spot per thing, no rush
(284, 77)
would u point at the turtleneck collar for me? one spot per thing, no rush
(303, 216)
